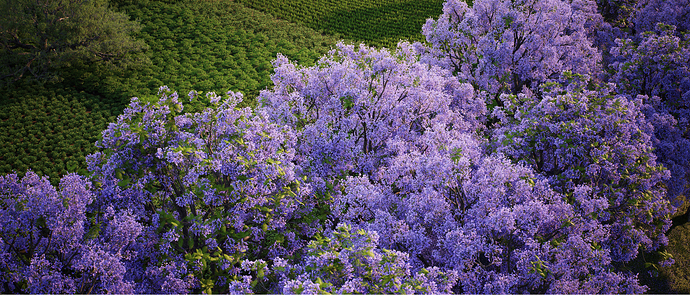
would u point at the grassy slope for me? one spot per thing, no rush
(375, 22)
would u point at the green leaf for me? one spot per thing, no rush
(123, 183)
(347, 102)
(94, 231)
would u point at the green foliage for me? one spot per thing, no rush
(50, 129)
(678, 274)
(39, 36)
(377, 23)
(206, 46)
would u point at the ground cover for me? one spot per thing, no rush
(208, 46)
(51, 129)
(376, 23)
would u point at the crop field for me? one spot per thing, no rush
(50, 130)
(380, 23)
(202, 46)
(215, 46)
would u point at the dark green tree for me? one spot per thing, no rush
(40, 37)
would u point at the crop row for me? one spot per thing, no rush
(209, 46)
(377, 23)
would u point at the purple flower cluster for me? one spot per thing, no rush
(350, 262)
(654, 63)
(348, 107)
(595, 142)
(501, 46)
(208, 188)
(49, 243)
(505, 155)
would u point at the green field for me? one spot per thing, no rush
(209, 46)
(196, 45)
(380, 23)
(50, 129)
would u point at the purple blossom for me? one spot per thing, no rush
(497, 157)
(502, 46)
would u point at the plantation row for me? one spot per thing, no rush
(376, 23)
(211, 46)
(207, 46)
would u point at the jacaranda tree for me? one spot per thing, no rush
(653, 62)
(501, 46)
(421, 178)
(180, 201)
(51, 245)
(597, 144)
(497, 158)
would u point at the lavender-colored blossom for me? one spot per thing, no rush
(502, 46)
(593, 144)
(356, 99)
(210, 178)
(349, 261)
(51, 246)
(653, 65)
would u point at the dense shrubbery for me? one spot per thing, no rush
(50, 129)
(503, 156)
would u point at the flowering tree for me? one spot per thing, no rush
(348, 107)
(427, 186)
(502, 46)
(648, 13)
(347, 262)
(487, 162)
(212, 189)
(566, 128)
(50, 244)
(180, 202)
(654, 64)
(592, 141)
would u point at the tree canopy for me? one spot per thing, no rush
(505, 155)
(40, 37)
